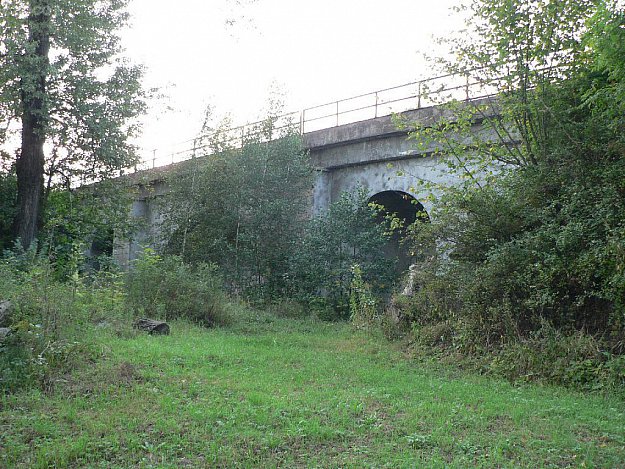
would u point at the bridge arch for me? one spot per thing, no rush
(401, 205)
(409, 210)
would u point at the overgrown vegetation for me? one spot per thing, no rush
(249, 219)
(50, 315)
(348, 234)
(48, 318)
(530, 274)
(521, 274)
(254, 224)
(168, 288)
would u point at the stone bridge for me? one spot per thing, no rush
(376, 155)
(373, 154)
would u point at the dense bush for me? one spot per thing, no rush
(248, 221)
(544, 243)
(348, 233)
(531, 260)
(168, 288)
(253, 223)
(547, 354)
(49, 319)
(52, 316)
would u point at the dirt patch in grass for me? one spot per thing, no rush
(93, 380)
(500, 424)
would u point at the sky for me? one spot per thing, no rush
(232, 55)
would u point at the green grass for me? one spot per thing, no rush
(276, 392)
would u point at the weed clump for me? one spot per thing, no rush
(47, 323)
(166, 287)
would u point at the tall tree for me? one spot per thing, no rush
(252, 215)
(72, 96)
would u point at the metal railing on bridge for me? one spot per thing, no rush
(385, 102)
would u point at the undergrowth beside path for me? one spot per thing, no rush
(276, 392)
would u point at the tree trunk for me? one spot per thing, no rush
(30, 163)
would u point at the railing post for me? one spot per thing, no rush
(337, 113)
(419, 95)
(154, 158)
(466, 86)
(302, 121)
(376, 104)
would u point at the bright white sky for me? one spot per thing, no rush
(313, 51)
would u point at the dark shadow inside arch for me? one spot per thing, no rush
(408, 209)
(401, 205)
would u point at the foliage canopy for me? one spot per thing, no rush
(252, 212)
(539, 241)
(66, 88)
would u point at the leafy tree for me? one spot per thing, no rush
(71, 94)
(518, 53)
(80, 225)
(247, 210)
(349, 233)
(537, 239)
(241, 208)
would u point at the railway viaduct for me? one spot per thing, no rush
(372, 153)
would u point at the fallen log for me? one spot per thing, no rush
(152, 326)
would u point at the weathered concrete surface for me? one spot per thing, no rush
(379, 176)
(385, 126)
(147, 211)
(377, 155)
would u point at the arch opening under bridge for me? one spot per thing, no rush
(408, 210)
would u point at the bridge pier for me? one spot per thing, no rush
(146, 215)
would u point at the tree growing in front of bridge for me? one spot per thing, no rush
(248, 210)
(321, 268)
(515, 55)
(69, 95)
(538, 243)
(242, 208)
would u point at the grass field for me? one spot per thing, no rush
(277, 392)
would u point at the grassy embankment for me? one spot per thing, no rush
(277, 392)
